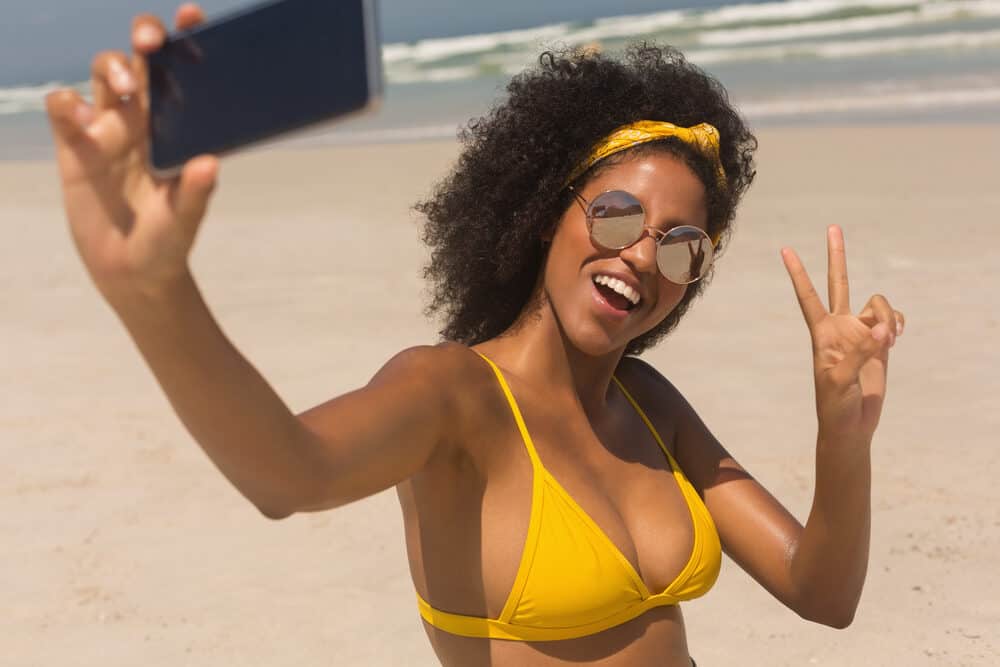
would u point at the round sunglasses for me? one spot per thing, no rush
(616, 220)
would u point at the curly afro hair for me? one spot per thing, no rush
(487, 219)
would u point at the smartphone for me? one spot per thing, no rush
(264, 71)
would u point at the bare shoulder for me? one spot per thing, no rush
(454, 377)
(448, 370)
(645, 382)
(695, 448)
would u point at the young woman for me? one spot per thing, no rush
(560, 496)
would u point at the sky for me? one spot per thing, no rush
(42, 40)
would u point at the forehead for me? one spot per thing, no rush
(663, 183)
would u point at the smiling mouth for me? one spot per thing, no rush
(616, 293)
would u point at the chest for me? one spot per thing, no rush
(612, 476)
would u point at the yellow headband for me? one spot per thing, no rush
(703, 137)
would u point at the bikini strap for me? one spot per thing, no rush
(649, 424)
(525, 436)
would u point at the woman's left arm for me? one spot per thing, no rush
(817, 570)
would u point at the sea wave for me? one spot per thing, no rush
(952, 41)
(838, 50)
(732, 34)
(796, 10)
(428, 50)
(862, 24)
(27, 99)
(21, 99)
(912, 100)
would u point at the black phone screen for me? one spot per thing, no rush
(272, 68)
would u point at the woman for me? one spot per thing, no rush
(559, 497)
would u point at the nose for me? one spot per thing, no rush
(641, 255)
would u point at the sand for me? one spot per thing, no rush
(123, 545)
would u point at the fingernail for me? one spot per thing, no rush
(899, 328)
(122, 79)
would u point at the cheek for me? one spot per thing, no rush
(669, 295)
(568, 251)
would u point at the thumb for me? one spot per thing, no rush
(874, 343)
(191, 191)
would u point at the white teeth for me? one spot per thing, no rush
(618, 286)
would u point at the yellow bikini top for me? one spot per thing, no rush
(572, 580)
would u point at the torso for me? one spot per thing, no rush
(466, 515)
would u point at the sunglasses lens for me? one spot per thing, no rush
(684, 255)
(616, 219)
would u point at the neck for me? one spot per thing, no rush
(537, 350)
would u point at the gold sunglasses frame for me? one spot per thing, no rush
(658, 235)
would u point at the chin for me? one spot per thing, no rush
(595, 342)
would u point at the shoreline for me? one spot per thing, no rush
(28, 139)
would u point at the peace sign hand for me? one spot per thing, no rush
(850, 352)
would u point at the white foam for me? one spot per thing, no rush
(835, 50)
(793, 9)
(861, 24)
(730, 23)
(912, 100)
(638, 24)
(24, 99)
(428, 50)
(779, 33)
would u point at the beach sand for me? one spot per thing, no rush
(122, 545)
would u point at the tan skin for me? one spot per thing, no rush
(434, 423)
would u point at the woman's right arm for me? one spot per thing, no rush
(348, 448)
(134, 233)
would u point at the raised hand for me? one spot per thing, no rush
(134, 231)
(850, 352)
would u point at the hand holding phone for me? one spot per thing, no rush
(133, 229)
(164, 113)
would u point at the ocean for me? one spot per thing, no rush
(792, 62)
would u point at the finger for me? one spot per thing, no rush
(812, 306)
(840, 298)
(148, 33)
(878, 310)
(873, 377)
(111, 77)
(191, 191)
(900, 322)
(118, 119)
(870, 345)
(69, 115)
(884, 313)
(188, 16)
